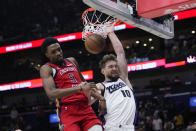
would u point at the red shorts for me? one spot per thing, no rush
(77, 116)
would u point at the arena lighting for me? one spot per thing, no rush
(37, 43)
(127, 47)
(88, 75)
(150, 39)
(146, 65)
(185, 14)
(78, 35)
(193, 31)
(192, 101)
(191, 59)
(153, 64)
(152, 47)
(53, 118)
(34, 83)
(144, 44)
(174, 64)
(137, 42)
(120, 27)
(80, 52)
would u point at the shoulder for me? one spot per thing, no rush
(100, 86)
(73, 60)
(45, 69)
(126, 80)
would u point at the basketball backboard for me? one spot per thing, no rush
(130, 14)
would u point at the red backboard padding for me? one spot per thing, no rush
(156, 8)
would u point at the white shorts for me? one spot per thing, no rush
(118, 127)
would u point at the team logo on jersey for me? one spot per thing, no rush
(64, 70)
(115, 87)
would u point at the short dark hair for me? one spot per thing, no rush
(47, 42)
(105, 59)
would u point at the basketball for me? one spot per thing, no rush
(95, 43)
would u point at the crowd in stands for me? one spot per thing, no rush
(154, 83)
(180, 47)
(27, 117)
(31, 20)
(159, 114)
(154, 114)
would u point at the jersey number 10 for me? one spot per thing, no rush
(126, 93)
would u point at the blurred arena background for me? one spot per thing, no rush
(163, 72)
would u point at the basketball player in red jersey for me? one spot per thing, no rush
(63, 80)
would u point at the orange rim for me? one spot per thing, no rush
(92, 9)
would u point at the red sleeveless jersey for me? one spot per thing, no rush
(68, 77)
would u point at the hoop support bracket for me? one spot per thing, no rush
(116, 10)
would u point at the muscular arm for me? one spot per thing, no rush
(118, 48)
(49, 84)
(121, 60)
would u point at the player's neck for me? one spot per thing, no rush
(110, 80)
(107, 79)
(61, 63)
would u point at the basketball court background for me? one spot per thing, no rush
(162, 71)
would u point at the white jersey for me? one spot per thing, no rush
(120, 103)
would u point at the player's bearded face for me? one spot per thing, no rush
(55, 54)
(112, 70)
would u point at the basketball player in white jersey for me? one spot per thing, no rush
(117, 89)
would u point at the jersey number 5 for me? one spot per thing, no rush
(126, 93)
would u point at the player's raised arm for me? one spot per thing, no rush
(118, 48)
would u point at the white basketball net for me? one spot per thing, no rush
(96, 22)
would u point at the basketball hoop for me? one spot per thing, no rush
(95, 21)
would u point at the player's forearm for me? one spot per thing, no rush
(59, 93)
(118, 48)
(96, 95)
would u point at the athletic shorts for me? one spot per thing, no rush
(77, 116)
